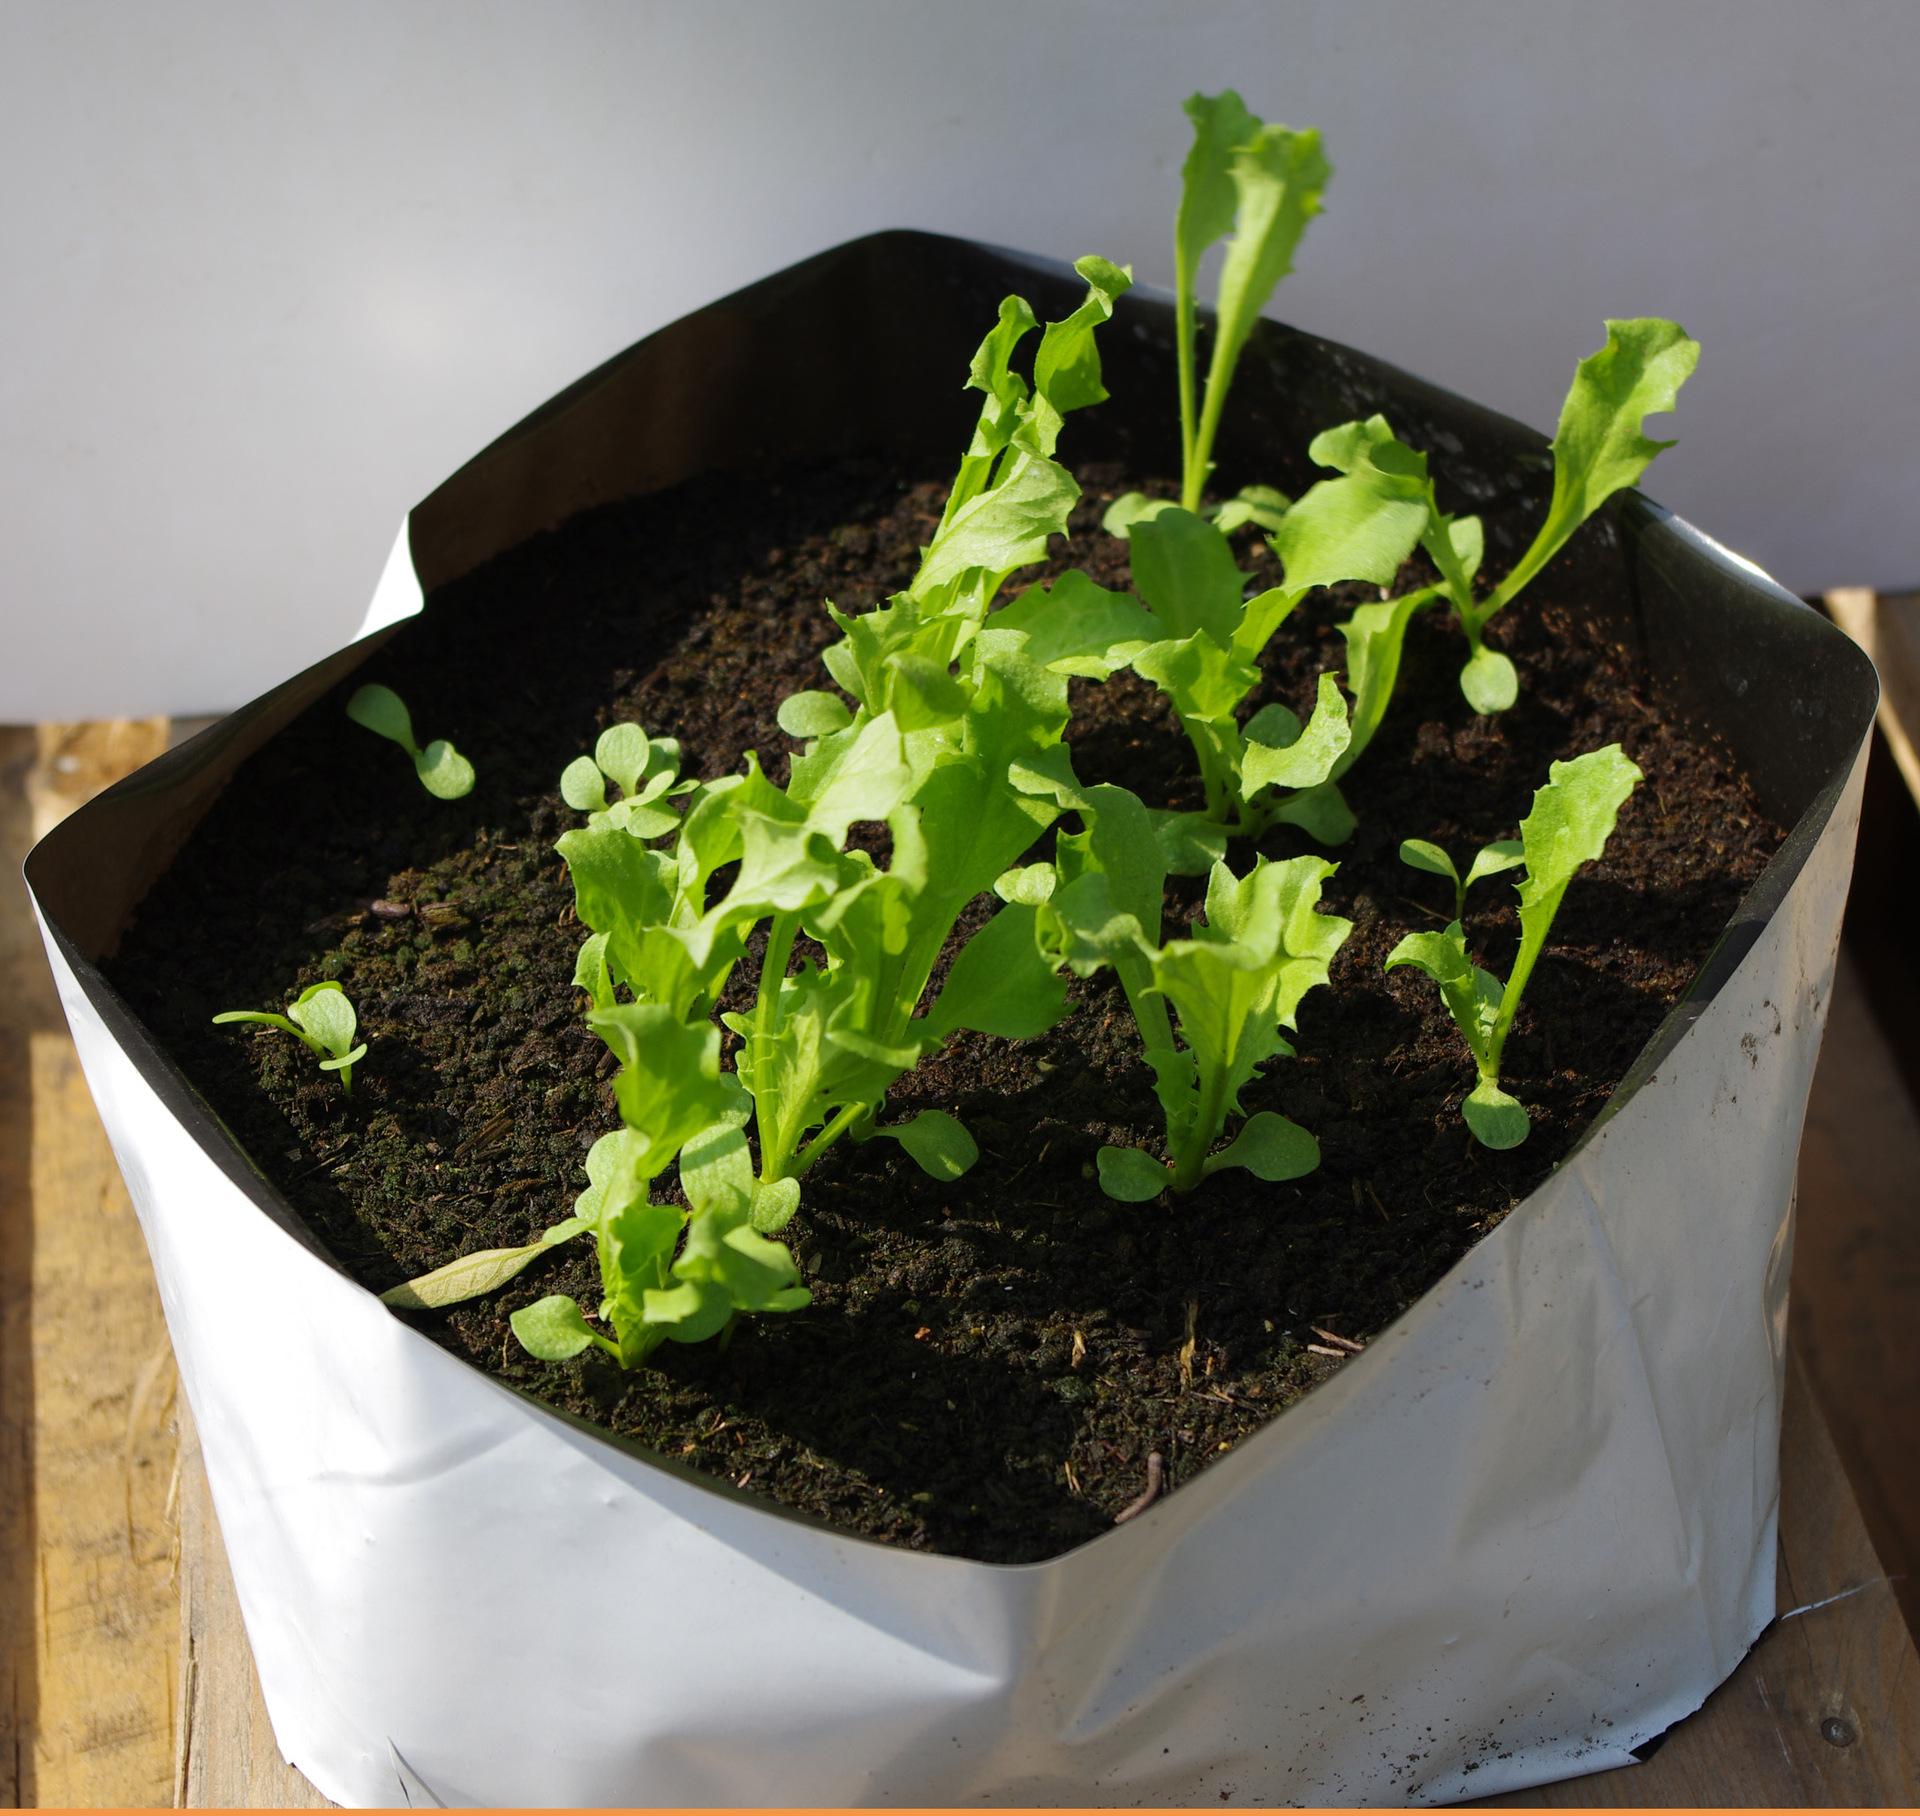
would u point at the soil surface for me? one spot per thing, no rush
(986, 1366)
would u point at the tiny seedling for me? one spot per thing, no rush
(645, 770)
(1489, 860)
(1572, 818)
(322, 1018)
(442, 770)
(1599, 449)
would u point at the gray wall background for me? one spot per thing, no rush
(271, 271)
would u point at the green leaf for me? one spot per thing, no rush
(1376, 636)
(381, 710)
(774, 1203)
(1184, 569)
(1190, 843)
(668, 1086)
(1077, 628)
(259, 1015)
(1241, 979)
(553, 1329)
(1490, 860)
(1261, 505)
(1001, 529)
(1031, 886)
(590, 972)
(1269, 1147)
(938, 1143)
(346, 1061)
(637, 821)
(1472, 996)
(1571, 821)
(621, 753)
(480, 1272)
(1424, 855)
(324, 1012)
(1307, 758)
(1497, 1120)
(1066, 370)
(1000, 983)
(1363, 525)
(1278, 177)
(445, 773)
(923, 693)
(1131, 508)
(1600, 445)
(1130, 1175)
(613, 1176)
(583, 787)
(731, 1266)
(1203, 679)
(1321, 812)
(716, 1171)
(1208, 193)
(813, 715)
(1489, 681)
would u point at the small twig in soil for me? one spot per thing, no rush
(1079, 1350)
(1320, 1349)
(1186, 1349)
(1422, 908)
(1347, 1343)
(1148, 1495)
(1377, 1205)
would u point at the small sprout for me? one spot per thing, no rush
(1572, 819)
(442, 770)
(645, 770)
(320, 1016)
(1489, 860)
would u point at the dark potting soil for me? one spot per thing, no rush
(987, 1365)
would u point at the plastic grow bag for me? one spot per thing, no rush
(1524, 1532)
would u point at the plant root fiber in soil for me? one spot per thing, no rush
(987, 1366)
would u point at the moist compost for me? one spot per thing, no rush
(988, 1365)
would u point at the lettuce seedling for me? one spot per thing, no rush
(1489, 860)
(1234, 985)
(1573, 817)
(442, 770)
(1599, 449)
(321, 1018)
(675, 1104)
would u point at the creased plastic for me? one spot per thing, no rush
(1526, 1530)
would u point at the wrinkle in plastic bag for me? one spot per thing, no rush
(1526, 1530)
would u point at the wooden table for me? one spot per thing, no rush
(128, 1677)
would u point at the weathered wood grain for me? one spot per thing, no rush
(85, 1372)
(1887, 627)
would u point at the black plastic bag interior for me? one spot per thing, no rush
(859, 349)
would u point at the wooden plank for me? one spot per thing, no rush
(85, 1373)
(1856, 1276)
(1887, 627)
